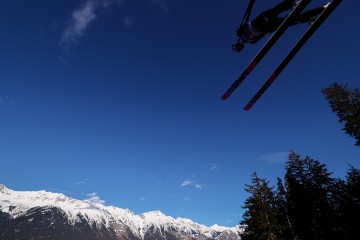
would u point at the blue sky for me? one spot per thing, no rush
(119, 101)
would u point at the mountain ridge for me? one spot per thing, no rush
(109, 220)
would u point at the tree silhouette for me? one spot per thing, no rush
(259, 218)
(345, 102)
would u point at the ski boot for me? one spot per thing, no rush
(238, 45)
(313, 19)
(295, 4)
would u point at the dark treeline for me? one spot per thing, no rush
(307, 204)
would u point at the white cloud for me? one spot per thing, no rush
(142, 199)
(82, 182)
(191, 183)
(92, 194)
(81, 20)
(94, 198)
(186, 199)
(279, 157)
(186, 183)
(214, 167)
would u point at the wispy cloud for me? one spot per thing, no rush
(82, 182)
(186, 183)
(191, 183)
(94, 198)
(279, 157)
(214, 167)
(83, 17)
(81, 20)
(142, 199)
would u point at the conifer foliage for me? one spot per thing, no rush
(309, 205)
(345, 102)
(308, 188)
(351, 204)
(259, 216)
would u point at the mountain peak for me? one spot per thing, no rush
(114, 220)
(152, 214)
(4, 189)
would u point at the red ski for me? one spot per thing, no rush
(309, 32)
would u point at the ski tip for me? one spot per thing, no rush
(247, 107)
(225, 96)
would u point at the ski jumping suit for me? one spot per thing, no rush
(269, 20)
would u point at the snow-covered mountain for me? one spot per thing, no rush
(46, 215)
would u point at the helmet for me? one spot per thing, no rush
(238, 45)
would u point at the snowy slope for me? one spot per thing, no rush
(17, 203)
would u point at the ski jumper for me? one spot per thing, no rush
(269, 20)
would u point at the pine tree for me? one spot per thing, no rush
(352, 203)
(346, 199)
(259, 218)
(285, 230)
(297, 200)
(345, 103)
(309, 191)
(338, 203)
